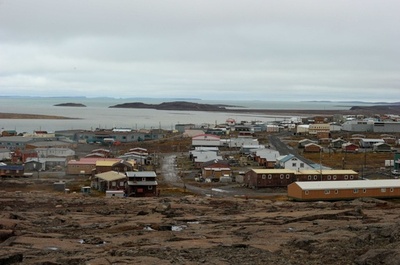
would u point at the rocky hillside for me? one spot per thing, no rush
(40, 227)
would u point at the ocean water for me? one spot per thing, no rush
(97, 113)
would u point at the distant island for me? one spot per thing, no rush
(175, 105)
(190, 106)
(70, 105)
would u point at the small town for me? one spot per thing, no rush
(282, 156)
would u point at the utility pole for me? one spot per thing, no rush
(320, 163)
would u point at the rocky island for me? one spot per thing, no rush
(70, 105)
(176, 105)
(191, 106)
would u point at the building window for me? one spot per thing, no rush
(294, 164)
(281, 176)
(329, 177)
(121, 183)
(351, 176)
(114, 183)
(150, 187)
(346, 177)
(336, 191)
(355, 191)
(383, 189)
(143, 179)
(364, 190)
(309, 177)
(327, 191)
(391, 189)
(315, 177)
(263, 176)
(269, 176)
(287, 176)
(306, 192)
(302, 165)
(334, 177)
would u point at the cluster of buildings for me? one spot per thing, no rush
(127, 175)
(275, 170)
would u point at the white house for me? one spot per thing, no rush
(206, 140)
(55, 152)
(5, 154)
(291, 162)
(242, 141)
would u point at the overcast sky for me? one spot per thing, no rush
(208, 49)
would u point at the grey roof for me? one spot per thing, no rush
(142, 183)
(141, 174)
(16, 139)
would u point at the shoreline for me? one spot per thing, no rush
(33, 116)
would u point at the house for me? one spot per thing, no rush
(140, 158)
(337, 143)
(9, 133)
(381, 147)
(316, 128)
(5, 154)
(241, 141)
(85, 166)
(246, 149)
(344, 190)
(389, 139)
(206, 140)
(141, 184)
(13, 143)
(304, 142)
(215, 169)
(291, 162)
(200, 157)
(326, 175)
(48, 163)
(95, 155)
(201, 148)
(43, 143)
(21, 156)
(312, 148)
(11, 170)
(139, 150)
(302, 129)
(268, 178)
(112, 165)
(368, 143)
(110, 180)
(55, 152)
(265, 157)
(101, 152)
(183, 127)
(350, 148)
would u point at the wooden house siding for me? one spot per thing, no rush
(331, 193)
(77, 169)
(269, 178)
(141, 184)
(350, 148)
(12, 170)
(312, 148)
(326, 175)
